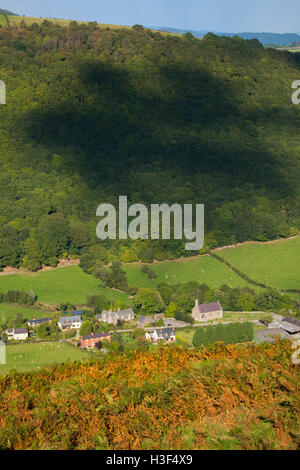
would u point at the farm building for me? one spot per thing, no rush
(270, 335)
(116, 316)
(70, 323)
(90, 341)
(288, 324)
(206, 312)
(161, 334)
(17, 334)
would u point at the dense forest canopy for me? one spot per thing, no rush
(96, 113)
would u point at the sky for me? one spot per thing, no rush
(235, 16)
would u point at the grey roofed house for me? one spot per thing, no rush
(270, 335)
(142, 321)
(67, 321)
(109, 316)
(38, 321)
(167, 334)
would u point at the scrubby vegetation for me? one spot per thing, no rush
(223, 397)
(94, 113)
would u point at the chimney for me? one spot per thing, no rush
(119, 309)
(196, 303)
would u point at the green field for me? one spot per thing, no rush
(275, 264)
(9, 311)
(27, 357)
(203, 269)
(68, 284)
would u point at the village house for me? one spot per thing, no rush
(143, 321)
(206, 312)
(37, 322)
(17, 334)
(90, 341)
(116, 316)
(70, 323)
(161, 334)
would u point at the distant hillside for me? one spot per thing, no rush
(6, 12)
(286, 39)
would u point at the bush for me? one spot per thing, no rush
(229, 334)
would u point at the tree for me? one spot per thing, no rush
(87, 262)
(116, 277)
(200, 338)
(149, 301)
(98, 303)
(86, 328)
(129, 256)
(266, 319)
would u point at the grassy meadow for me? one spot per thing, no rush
(275, 264)
(69, 284)
(27, 357)
(203, 269)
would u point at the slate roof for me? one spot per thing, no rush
(69, 320)
(16, 331)
(19, 331)
(212, 307)
(95, 336)
(293, 321)
(39, 321)
(165, 333)
(116, 315)
(144, 320)
(289, 327)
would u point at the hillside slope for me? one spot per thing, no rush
(220, 398)
(7, 12)
(95, 113)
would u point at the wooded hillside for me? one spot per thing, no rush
(92, 114)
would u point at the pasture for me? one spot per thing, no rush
(275, 264)
(203, 269)
(32, 356)
(69, 284)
